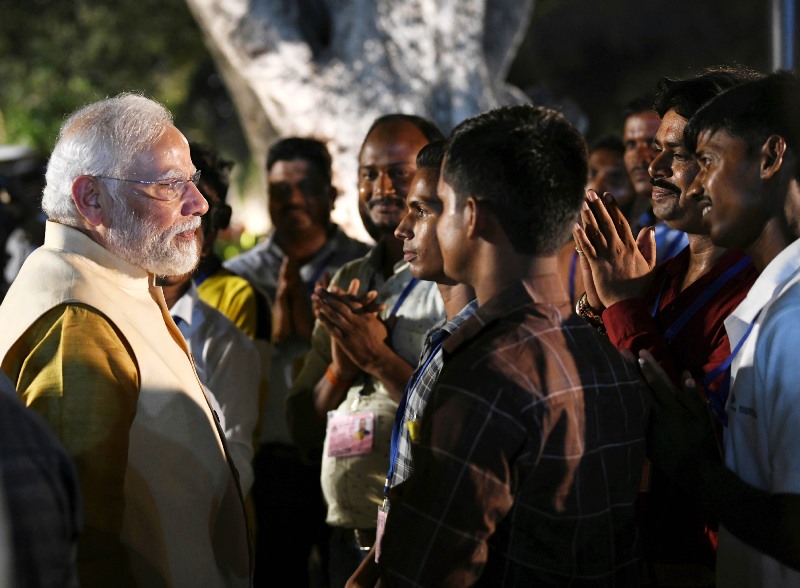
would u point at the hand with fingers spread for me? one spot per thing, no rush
(682, 440)
(615, 266)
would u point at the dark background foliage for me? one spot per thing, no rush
(584, 56)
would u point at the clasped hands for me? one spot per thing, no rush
(358, 335)
(614, 265)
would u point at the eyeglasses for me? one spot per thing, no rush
(172, 189)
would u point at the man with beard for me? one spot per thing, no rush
(747, 141)
(88, 343)
(360, 359)
(675, 310)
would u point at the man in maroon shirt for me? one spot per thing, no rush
(675, 310)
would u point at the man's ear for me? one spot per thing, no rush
(475, 213)
(86, 195)
(773, 153)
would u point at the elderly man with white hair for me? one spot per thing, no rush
(89, 343)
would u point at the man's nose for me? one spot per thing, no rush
(696, 187)
(403, 230)
(383, 184)
(659, 167)
(194, 203)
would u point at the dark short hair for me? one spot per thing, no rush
(427, 127)
(686, 96)
(310, 150)
(637, 105)
(528, 164)
(608, 142)
(215, 171)
(752, 112)
(431, 156)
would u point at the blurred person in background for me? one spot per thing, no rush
(303, 248)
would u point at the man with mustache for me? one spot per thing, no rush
(303, 247)
(747, 141)
(638, 135)
(88, 343)
(360, 359)
(675, 310)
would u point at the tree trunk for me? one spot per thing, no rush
(328, 68)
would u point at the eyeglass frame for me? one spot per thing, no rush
(178, 185)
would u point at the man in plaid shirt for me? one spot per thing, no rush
(417, 230)
(530, 449)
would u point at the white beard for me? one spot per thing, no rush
(138, 242)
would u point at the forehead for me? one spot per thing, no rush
(642, 125)
(720, 141)
(423, 186)
(169, 155)
(671, 129)
(396, 142)
(288, 170)
(603, 157)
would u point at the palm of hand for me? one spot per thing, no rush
(615, 266)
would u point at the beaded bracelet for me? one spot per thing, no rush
(591, 315)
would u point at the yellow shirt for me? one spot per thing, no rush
(92, 421)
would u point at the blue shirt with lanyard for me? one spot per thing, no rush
(436, 340)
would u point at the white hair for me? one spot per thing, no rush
(100, 139)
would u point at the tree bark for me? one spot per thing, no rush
(328, 68)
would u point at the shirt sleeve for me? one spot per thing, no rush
(75, 369)
(778, 404)
(234, 382)
(630, 326)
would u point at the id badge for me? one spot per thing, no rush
(383, 510)
(350, 434)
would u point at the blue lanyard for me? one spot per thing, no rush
(671, 250)
(401, 409)
(403, 295)
(707, 294)
(717, 402)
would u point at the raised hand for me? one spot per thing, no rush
(354, 325)
(614, 264)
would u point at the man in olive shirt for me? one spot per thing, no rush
(88, 342)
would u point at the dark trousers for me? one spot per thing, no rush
(290, 518)
(345, 556)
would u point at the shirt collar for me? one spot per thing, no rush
(543, 290)
(183, 309)
(72, 240)
(770, 282)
